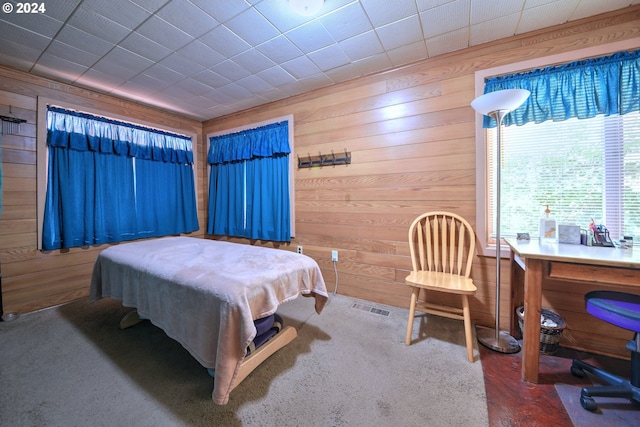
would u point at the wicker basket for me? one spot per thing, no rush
(549, 336)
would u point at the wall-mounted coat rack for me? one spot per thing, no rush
(11, 124)
(324, 160)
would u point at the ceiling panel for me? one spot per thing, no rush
(205, 58)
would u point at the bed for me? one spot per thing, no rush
(206, 294)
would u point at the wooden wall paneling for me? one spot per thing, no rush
(411, 134)
(33, 279)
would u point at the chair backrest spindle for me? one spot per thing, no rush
(443, 242)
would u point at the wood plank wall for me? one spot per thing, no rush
(411, 135)
(32, 279)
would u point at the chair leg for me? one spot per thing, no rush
(468, 333)
(412, 312)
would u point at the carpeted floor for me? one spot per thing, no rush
(72, 366)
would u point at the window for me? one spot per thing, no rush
(583, 168)
(250, 182)
(110, 181)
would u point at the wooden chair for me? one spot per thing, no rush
(442, 247)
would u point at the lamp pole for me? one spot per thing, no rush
(497, 105)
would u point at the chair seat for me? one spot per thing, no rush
(437, 281)
(618, 308)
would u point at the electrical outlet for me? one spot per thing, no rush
(334, 256)
(299, 249)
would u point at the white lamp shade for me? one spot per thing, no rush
(502, 100)
(306, 7)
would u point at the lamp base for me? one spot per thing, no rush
(504, 343)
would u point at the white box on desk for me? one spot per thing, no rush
(569, 233)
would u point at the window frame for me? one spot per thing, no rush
(289, 119)
(42, 151)
(486, 246)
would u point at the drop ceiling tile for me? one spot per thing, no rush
(230, 70)
(235, 91)
(71, 53)
(137, 43)
(103, 82)
(429, 4)
(283, 18)
(188, 17)
(329, 57)
(399, 33)
(254, 84)
(346, 22)
(192, 86)
(593, 7)
(124, 12)
(145, 81)
(38, 23)
(252, 27)
(222, 11)
(362, 46)
(83, 41)
(310, 36)
(273, 94)
(371, 64)
(92, 23)
(382, 12)
(225, 41)
(59, 68)
(301, 67)
(18, 56)
(164, 74)
(21, 36)
(279, 49)
(211, 79)
(174, 92)
(409, 53)
(445, 18)
(449, 42)
(164, 34)
(202, 54)
(490, 10)
(276, 76)
(151, 5)
(495, 29)
(217, 97)
(545, 15)
(181, 65)
(253, 60)
(126, 59)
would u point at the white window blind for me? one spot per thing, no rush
(584, 169)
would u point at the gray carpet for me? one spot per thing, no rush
(72, 366)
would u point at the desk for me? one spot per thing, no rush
(575, 263)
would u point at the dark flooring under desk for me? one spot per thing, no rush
(513, 402)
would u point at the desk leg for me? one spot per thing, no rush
(532, 311)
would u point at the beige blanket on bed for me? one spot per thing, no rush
(206, 294)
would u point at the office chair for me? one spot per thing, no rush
(442, 247)
(623, 310)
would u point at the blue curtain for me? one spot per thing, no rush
(582, 89)
(111, 181)
(249, 184)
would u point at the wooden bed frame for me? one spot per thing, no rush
(251, 362)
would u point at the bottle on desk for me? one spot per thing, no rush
(548, 228)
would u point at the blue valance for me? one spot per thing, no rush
(86, 132)
(582, 89)
(265, 141)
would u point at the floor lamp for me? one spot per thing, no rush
(497, 105)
